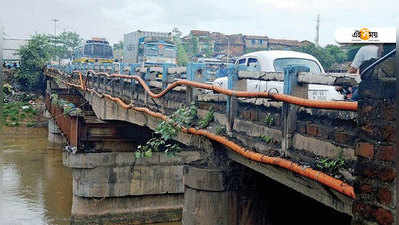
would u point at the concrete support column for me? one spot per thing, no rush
(207, 200)
(54, 133)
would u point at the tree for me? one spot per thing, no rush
(329, 55)
(182, 58)
(34, 56)
(194, 46)
(319, 53)
(65, 43)
(208, 51)
(38, 52)
(118, 46)
(336, 52)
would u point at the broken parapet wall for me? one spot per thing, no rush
(376, 176)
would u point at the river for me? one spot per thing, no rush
(35, 188)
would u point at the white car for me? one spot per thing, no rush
(276, 61)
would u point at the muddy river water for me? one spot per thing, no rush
(35, 188)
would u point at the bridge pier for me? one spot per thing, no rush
(54, 133)
(207, 198)
(117, 188)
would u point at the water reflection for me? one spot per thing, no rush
(35, 188)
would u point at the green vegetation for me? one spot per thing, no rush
(327, 56)
(266, 138)
(183, 117)
(38, 52)
(331, 165)
(209, 117)
(118, 46)
(182, 57)
(69, 108)
(220, 130)
(269, 120)
(14, 114)
(65, 43)
(157, 144)
(34, 56)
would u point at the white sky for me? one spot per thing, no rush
(290, 19)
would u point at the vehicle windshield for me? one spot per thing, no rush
(280, 64)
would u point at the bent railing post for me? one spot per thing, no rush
(289, 111)
(164, 75)
(190, 95)
(231, 101)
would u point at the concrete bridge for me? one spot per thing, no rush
(232, 156)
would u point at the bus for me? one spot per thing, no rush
(96, 50)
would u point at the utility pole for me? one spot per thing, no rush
(55, 26)
(317, 30)
(55, 34)
(228, 50)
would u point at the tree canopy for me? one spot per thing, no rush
(118, 46)
(38, 52)
(328, 56)
(182, 57)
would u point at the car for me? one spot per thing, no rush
(276, 61)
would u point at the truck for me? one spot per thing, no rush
(153, 52)
(149, 48)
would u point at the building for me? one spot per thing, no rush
(211, 44)
(11, 47)
(255, 43)
(230, 45)
(216, 43)
(282, 44)
(205, 42)
(131, 43)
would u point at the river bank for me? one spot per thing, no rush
(21, 108)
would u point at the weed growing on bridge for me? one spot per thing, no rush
(183, 117)
(331, 165)
(220, 130)
(67, 106)
(266, 138)
(268, 119)
(209, 117)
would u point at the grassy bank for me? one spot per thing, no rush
(18, 114)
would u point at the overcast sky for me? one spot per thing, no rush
(290, 19)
